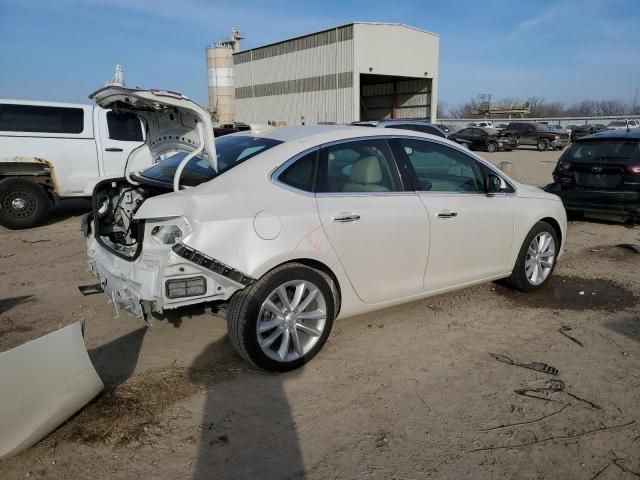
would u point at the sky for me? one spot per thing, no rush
(562, 50)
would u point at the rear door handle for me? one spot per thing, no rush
(113, 149)
(343, 218)
(447, 214)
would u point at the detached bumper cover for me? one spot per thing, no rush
(42, 383)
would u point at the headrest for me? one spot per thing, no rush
(366, 171)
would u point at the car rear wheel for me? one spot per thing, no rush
(23, 204)
(543, 144)
(283, 320)
(537, 258)
(492, 147)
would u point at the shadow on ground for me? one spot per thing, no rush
(248, 429)
(67, 209)
(629, 327)
(7, 304)
(116, 361)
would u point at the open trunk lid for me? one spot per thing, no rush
(171, 120)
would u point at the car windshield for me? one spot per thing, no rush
(604, 151)
(231, 150)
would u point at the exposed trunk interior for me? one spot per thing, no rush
(115, 203)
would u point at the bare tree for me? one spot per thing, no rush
(442, 110)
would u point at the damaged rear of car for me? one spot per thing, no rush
(135, 230)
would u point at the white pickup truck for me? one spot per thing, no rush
(52, 151)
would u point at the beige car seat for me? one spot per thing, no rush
(365, 176)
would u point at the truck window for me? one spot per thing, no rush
(41, 119)
(125, 127)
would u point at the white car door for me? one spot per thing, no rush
(471, 233)
(120, 133)
(378, 231)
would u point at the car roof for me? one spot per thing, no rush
(288, 134)
(317, 134)
(623, 134)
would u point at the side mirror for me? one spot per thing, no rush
(495, 184)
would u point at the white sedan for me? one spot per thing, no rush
(296, 226)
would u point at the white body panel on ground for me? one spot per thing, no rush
(43, 383)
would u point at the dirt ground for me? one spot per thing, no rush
(405, 393)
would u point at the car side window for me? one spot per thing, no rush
(362, 166)
(440, 168)
(301, 172)
(125, 127)
(41, 119)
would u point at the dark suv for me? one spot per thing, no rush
(532, 133)
(600, 174)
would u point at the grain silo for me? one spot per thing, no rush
(220, 73)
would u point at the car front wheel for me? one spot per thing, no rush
(543, 144)
(537, 258)
(492, 147)
(283, 320)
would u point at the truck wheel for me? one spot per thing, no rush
(282, 321)
(543, 144)
(492, 147)
(23, 204)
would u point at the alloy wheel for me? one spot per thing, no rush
(540, 257)
(291, 320)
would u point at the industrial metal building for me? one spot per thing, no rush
(359, 71)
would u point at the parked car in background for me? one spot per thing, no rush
(533, 133)
(448, 129)
(489, 139)
(422, 126)
(580, 131)
(296, 226)
(481, 124)
(623, 124)
(556, 127)
(227, 128)
(600, 175)
(52, 151)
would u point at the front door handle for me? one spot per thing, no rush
(447, 214)
(348, 217)
(113, 149)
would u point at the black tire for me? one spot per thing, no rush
(244, 308)
(492, 147)
(543, 144)
(518, 278)
(34, 202)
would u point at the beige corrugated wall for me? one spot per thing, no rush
(332, 105)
